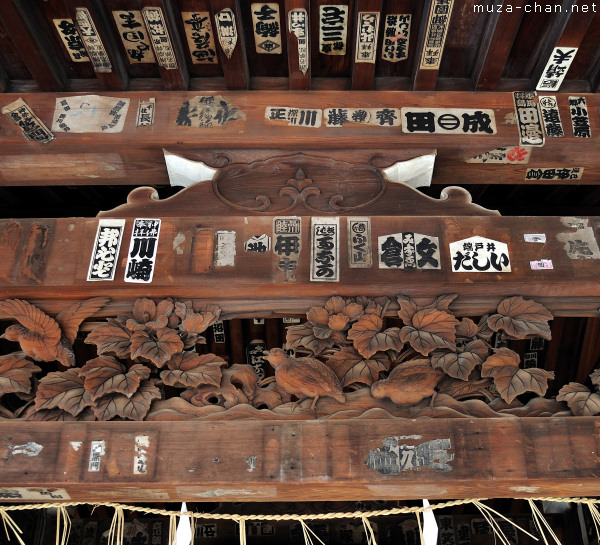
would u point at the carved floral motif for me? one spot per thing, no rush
(365, 353)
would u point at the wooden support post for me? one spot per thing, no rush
(498, 38)
(363, 73)
(297, 79)
(235, 68)
(22, 24)
(174, 78)
(590, 350)
(114, 78)
(432, 36)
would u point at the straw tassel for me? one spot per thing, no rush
(8, 522)
(369, 531)
(242, 524)
(595, 516)
(307, 532)
(541, 523)
(488, 513)
(62, 515)
(117, 527)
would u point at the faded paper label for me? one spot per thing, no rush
(31, 125)
(90, 113)
(219, 331)
(435, 34)
(287, 238)
(409, 251)
(298, 24)
(360, 253)
(29, 494)
(581, 243)
(366, 36)
(556, 68)
(225, 249)
(134, 36)
(159, 35)
(267, 27)
(325, 250)
(580, 119)
(200, 37)
(226, 31)
(448, 121)
(333, 29)
(92, 42)
(549, 173)
(145, 113)
(378, 117)
(208, 112)
(517, 155)
(258, 243)
(71, 39)
(294, 117)
(539, 238)
(541, 264)
(551, 117)
(528, 119)
(396, 37)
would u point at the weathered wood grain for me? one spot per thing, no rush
(308, 460)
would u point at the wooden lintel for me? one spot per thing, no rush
(496, 43)
(46, 261)
(135, 156)
(303, 460)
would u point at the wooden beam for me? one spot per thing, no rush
(114, 78)
(431, 42)
(235, 69)
(174, 79)
(568, 30)
(47, 258)
(496, 43)
(363, 73)
(112, 159)
(23, 25)
(305, 460)
(297, 79)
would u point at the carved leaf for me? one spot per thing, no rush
(368, 338)
(146, 315)
(197, 322)
(483, 329)
(460, 389)
(408, 383)
(318, 316)
(335, 304)
(580, 400)
(460, 365)
(15, 373)
(71, 317)
(190, 369)
(62, 390)
(595, 376)
(111, 338)
(408, 308)
(135, 407)
(511, 381)
(466, 328)
(157, 347)
(58, 415)
(378, 305)
(430, 330)
(338, 322)
(303, 335)
(350, 367)
(502, 357)
(104, 375)
(322, 332)
(522, 319)
(181, 309)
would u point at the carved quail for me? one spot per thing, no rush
(42, 337)
(304, 377)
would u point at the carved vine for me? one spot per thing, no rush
(427, 361)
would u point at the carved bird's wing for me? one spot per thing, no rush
(313, 372)
(70, 318)
(36, 323)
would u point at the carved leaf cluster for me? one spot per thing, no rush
(580, 399)
(15, 373)
(521, 319)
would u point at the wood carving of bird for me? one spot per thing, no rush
(42, 337)
(408, 383)
(304, 377)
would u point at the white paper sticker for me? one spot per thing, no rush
(287, 242)
(258, 244)
(298, 24)
(396, 37)
(360, 254)
(227, 31)
(97, 450)
(219, 331)
(551, 117)
(105, 253)
(294, 117)
(159, 35)
(541, 264)
(378, 117)
(71, 39)
(409, 251)
(33, 493)
(528, 119)
(554, 173)
(479, 254)
(540, 238)
(325, 249)
(145, 113)
(142, 251)
(579, 117)
(333, 29)
(435, 34)
(93, 43)
(130, 25)
(556, 68)
(366, 36)
(517, 155)
(140, 458)
(448, 121)
(200, 37)
(267, 27)
(31, 125)
(90, 113)
(225, 249)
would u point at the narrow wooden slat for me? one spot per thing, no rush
(298, 80)
(363, 73)
(22, 24)
(235, 69)
(306, 460)
(568, 30)
(175, 79)
(117, 79)
(426, 79)
(496, 43)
